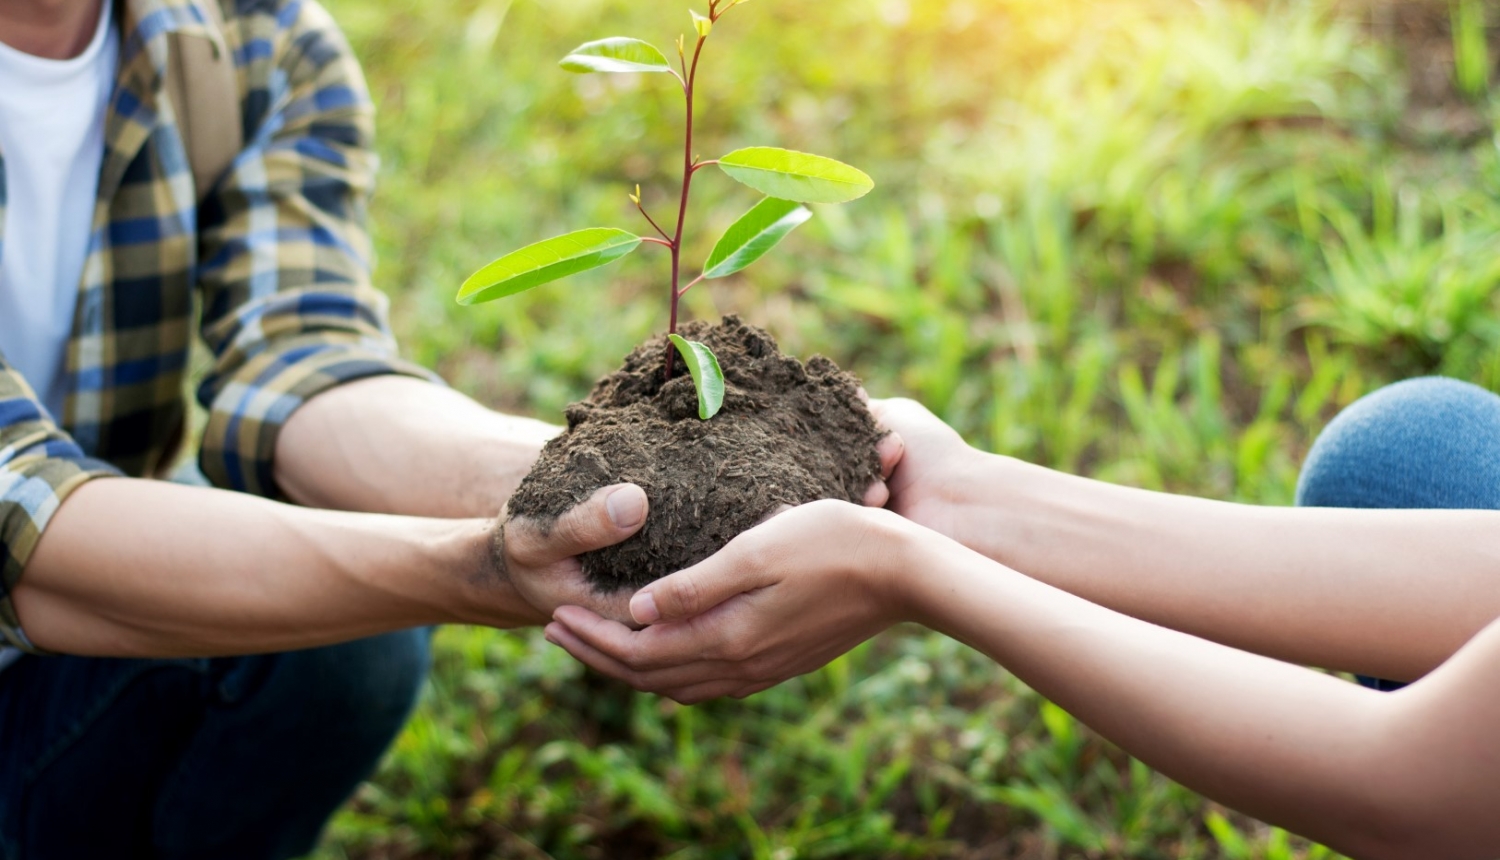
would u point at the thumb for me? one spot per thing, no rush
(609, 516)
(696, 590)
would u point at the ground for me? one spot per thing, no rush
(1158, 242)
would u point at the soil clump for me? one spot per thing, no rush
(788, 434)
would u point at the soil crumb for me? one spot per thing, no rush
(788, 434)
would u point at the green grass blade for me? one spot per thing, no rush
(547, 261)
(756, 233)
(1471, 60)
(796, 176)
(708, 378)
(616, 54)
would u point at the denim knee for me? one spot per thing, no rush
(295, 734)
(1423, 443)
(372, 683)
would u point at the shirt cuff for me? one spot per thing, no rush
(31, 491)
(246, 417)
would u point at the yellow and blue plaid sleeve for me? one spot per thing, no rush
(288, 307)
(39, 466)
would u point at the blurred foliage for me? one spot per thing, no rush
(1159, 242)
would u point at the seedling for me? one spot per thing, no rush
(788, 179)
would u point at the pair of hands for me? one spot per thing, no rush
(778, 601)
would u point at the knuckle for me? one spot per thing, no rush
(570, 530)
(686, 594)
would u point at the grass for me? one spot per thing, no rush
(1158, 242)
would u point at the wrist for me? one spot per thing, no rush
(900, 561)
(482, 592)
(936, 583)
(970, 500)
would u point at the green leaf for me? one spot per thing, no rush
(757, 232)
(702, 24)
(707, 377)
(547, 261)
(796, 176)
(617, 54)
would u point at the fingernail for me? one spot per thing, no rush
(626, 506)
(643, 608)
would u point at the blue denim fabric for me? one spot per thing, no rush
(240, 758)
(1422, 443)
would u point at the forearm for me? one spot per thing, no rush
(398, 445)
(1384, 593)
(143, 568)
(1285, 744)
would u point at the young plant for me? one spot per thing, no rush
(788, 179)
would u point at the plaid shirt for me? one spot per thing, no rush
(276, 255)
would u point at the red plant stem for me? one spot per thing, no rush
(688, 169)
(655, 241)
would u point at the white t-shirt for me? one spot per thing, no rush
(52, 140)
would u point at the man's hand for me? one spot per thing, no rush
(542, 564)
(780, 600)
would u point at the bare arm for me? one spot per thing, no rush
(143, 568)
(398, 445)
(1384, 593)
(1405, 775)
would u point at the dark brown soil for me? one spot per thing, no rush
(788, 434)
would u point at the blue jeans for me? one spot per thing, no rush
(1423, 443)
(242, 757)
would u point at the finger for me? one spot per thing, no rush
(609, 516)
(701, 587)
(565, 639)
(877, 495)
(774, 514)
(568, 588)
(676, 677)
(706, 691)
(601, 632)
(654, 648)
(891, 449)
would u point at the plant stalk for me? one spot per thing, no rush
(687, 188)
